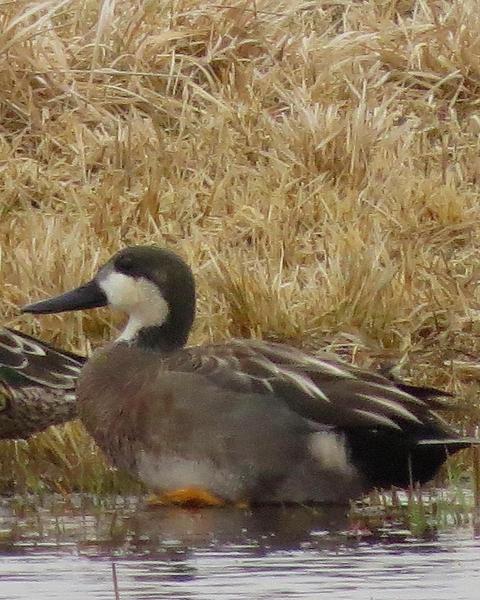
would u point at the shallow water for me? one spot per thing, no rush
(64, 550)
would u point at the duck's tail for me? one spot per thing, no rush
(453, 443)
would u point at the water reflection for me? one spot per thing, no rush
(261, 530)
(59, 551)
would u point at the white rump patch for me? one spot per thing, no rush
(329, 448)
(139, 298)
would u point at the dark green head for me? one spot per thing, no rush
(154, 286)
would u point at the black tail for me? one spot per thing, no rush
(387, 458)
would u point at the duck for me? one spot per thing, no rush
(243, 422)
(37, 385)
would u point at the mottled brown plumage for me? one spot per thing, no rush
(37, 385)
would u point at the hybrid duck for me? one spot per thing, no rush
(246, 421)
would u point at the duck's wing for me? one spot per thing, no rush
(37, 384)
(25, 360)
(322, 388)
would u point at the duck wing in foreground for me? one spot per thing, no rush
(37, 384)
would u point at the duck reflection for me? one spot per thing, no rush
(258, 530)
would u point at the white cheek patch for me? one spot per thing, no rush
(122, 291)
(139, 298)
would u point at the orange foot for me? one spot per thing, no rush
(190, 497)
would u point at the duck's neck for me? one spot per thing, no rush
(166, 333)
(161, 338)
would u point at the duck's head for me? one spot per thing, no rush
(154, 286)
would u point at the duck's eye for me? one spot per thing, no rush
(125, 264)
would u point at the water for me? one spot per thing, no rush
(59, 550)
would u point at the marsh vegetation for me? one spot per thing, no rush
(316, 162)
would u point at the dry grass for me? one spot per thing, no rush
(316, 162)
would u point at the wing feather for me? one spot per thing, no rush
(322, 388)
(25, 361)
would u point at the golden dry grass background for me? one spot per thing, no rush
(316, 162)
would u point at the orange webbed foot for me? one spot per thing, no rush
(189, 497)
